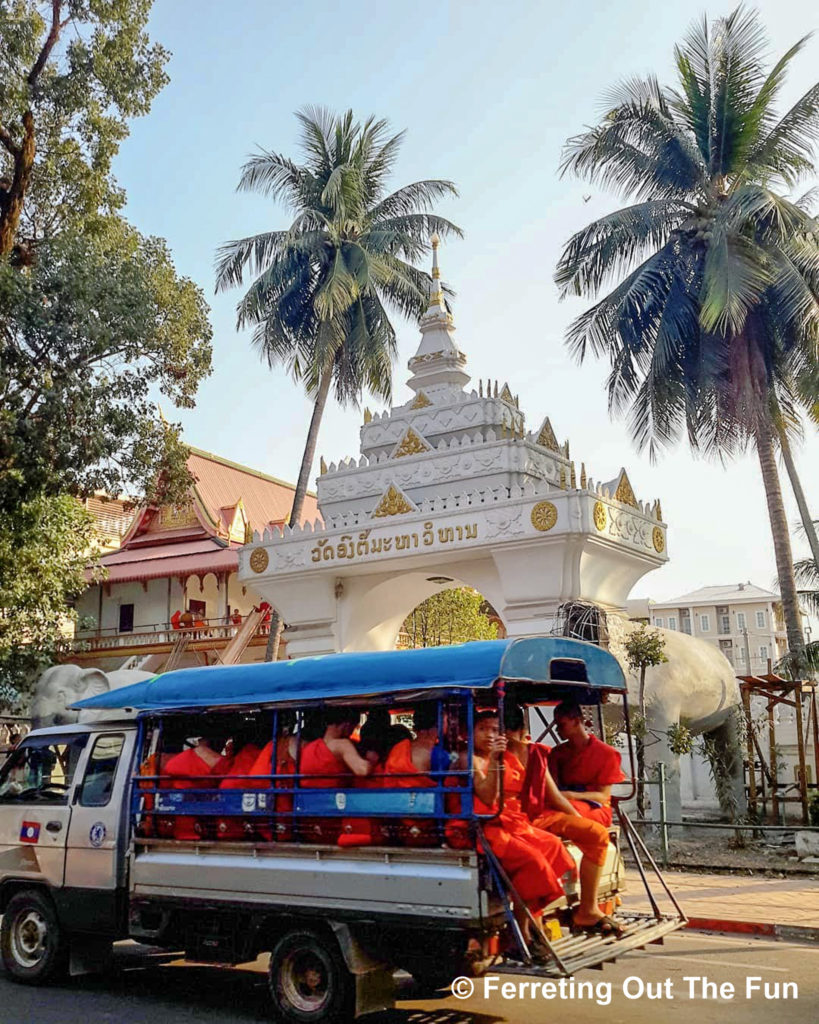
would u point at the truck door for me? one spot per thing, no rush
(95, 861)
(36, 787)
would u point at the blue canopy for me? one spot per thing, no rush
(471, 666)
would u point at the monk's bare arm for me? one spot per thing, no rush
(556, 800)
(487, 773)
(602, 795)
(345, 750)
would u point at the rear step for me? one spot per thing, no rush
(579, 952)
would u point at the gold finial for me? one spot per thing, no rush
(573, 478)
(517, 401)
(322, 466)
(563, 478)
(658, 511)
(566, 449)
(583, 480)
(435, 240)
(368, 416)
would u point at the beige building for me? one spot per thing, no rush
(743, 620)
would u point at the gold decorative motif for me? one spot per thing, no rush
(259, 560)
(599, 515)
(544, 516)
(583, 480)
(322, 466)
(624, 492)
(546, 438)
(411, 444)
(658, 537)
(171, 517)
(368, 416)
(563, 478)
(436, 298)
(436, 273)
(658, 512)
(507, 395)
(573, 478)
(392, 504)
(420, 401)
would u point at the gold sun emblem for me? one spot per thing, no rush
(599, 515)
(544, 516)
(658, 537)
(259, 560)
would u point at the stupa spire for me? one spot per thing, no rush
(438, 363)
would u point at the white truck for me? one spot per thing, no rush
(85, 860)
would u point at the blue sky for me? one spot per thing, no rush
(488, 93)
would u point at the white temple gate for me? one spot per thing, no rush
(450, 489)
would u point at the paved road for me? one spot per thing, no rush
(149, 990)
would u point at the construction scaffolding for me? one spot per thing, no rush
(767, 793)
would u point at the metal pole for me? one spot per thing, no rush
(747, 651)
(772, 755)
(749, 730)
(663, 816)
(800, 739)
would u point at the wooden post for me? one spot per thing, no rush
(800, 747)
(774, 765)
(749, 728)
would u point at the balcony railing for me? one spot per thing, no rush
(215, 631)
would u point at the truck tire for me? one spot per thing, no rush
(32, 944)
(309, 981)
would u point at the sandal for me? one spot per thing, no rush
(606, 927)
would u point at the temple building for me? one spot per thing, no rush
(172, 596)
(452, 489)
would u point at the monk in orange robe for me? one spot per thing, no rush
(261, 770)
(197, 767)
(331, 762)
(574, 802)
(236, 778)
(406, 768)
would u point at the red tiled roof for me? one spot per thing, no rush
(172, 560)
(222, 483)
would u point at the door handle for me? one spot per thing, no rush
(53, 826)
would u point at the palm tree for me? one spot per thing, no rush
(715, 311)
(320, 287)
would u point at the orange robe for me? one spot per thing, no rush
(331, 772)
(412, 831)
(235, 827)
(189, 763)
(281, 827)
(366, 831)
(596, 765)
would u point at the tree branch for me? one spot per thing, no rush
(50, 42)
(8, 142)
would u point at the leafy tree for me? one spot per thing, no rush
(714, 317)
(87, 334)
(317, 301)
(45, 546)
(73, 72)
(449, 617)
(644, 648)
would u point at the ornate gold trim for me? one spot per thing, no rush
(394, 503)
(544, 516)
(625, 492)
(546, 438)
(420, 401)
(658, 539)
(411, 444)
(259, 560)
(507, 395)
(599, 515)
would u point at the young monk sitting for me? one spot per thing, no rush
(555, 802)
(533, 863)
(331, 762)
(197, 767)
(409, 761)
(262, 770)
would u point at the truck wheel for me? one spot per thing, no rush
(32, 944)
(309, 981)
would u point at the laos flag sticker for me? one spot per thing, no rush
(30, 832)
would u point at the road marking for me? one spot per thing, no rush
(721, 963)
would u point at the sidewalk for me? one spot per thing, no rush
(785, 907)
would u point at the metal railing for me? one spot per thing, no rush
(160, 633)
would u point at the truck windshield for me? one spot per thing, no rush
(41, 770)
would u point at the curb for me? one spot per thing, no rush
(792, 932)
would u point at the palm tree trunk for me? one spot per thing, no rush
(799, 494)
(781, 538)
(308, 458)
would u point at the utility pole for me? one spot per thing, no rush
(747, 650)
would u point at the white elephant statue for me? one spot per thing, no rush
(62, 685)
(697, 687)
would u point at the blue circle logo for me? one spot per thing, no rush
(97, 834)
